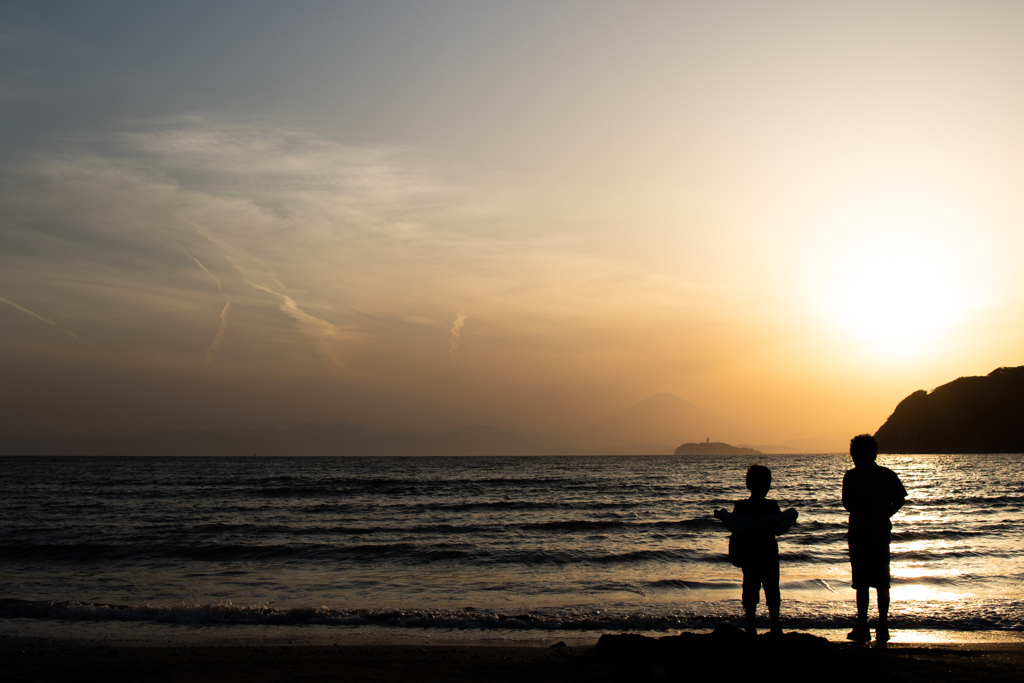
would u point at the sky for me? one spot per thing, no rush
(419, 215)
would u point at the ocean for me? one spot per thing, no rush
(508, 546)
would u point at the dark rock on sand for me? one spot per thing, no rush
(724, 639)
(727, 654)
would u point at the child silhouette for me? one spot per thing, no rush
(754, 523)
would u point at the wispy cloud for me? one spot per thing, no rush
(346, 241)
(43, 319)
(457, 324)
(218, 338)
(321, 331)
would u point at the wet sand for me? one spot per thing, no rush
(798, 657)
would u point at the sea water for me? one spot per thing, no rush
(506, 545)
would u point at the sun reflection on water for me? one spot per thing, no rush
(922, 593)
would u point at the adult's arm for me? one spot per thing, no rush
(896, 504)
(899, 495)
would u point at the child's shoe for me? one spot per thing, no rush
(882, 634)
(860, 633)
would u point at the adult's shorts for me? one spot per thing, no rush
(869, 559)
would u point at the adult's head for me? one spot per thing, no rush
(863, 449)
(759, 479)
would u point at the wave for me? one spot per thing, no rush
(934, 534)
(815, 539)
(495, 505)
(972, 503)
(827, 556)
(692, 585)
(295, 491)
(674, 555)
(348, 487)
(411, 548)
(505, 528)
(400, 552)
(609, 524)
(254, 534)
(73, 551)
(807, 584)
(946, 554)
(469, 618)
(959, 580)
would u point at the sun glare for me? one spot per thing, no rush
(896, 302)
(897, 281)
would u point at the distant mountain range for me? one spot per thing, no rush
(656, 425)
(967, 415)
(334, 438)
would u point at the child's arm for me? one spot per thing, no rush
(784, 520)
(734, 522)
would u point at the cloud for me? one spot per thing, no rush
(457, 324)
(254, 200)
(361, 247)
(323, 332)
(42, 319)
(218, 338)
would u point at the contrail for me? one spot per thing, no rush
(43, 320)
(218, 338)
(320, 330)
(457, 324)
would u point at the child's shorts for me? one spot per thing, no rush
(756, 574)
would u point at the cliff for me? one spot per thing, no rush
(967, 415)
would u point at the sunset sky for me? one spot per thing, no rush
(418, 215)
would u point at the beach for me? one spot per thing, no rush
(512, 545)
(378, 569)
(796, 657)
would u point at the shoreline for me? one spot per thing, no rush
(798, 656)
(115, 633)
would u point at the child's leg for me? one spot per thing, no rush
(772, 594)
(751, 611)
(774, 600)
(751, 596)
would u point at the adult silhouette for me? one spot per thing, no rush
(872, 494)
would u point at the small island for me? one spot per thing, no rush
(714, 448)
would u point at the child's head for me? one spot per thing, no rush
(759, 479)
(863, 449)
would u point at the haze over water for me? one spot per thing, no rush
(513, 544)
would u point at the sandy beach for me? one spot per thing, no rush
(795, 657)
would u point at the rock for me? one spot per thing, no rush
(967, 415)
(714, 448)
